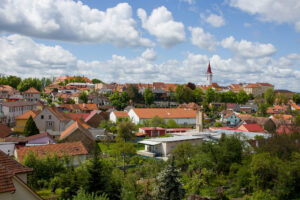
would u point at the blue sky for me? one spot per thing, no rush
(146, 41)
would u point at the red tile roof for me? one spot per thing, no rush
(121, 113)
(62, 149)
(252, 128)
(295, 106)
(11, 165)
(75, 116)
(266, 84)
(83, 127)
(288, 129)
(32, 91)
(27, 114)
(165, 113)
(4, 131)
(6, 182)
(253, 85)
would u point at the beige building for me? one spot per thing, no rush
(52, 121)
(257, 89)
(32, 95)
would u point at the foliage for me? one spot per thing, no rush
(30, 82)
(297, 120)
(133, 93)
(198, 95)
(218, 124)
(172, 124)
(12, 81)
(269, 96)
(242, 97)
(124, 149)
(126, 130)
(183, 154)
(296, 98)
(148, 96)
(168, 185)
(131, 190)
(95, 81)
(262, 109)
(210, 95)
(281, 99)
(30, 127)
(83, 97)
(120, 100)
(191, 85)
(179, 93)
(82, 195)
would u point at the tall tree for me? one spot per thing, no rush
(168, 185)
(210, 95)
(126, 130)
(30, 127)
(269, 96)
(97, 180)
(83, 97)
(120, 100)
(124, 149)
(133, 93)
(148, 96)
(198, 95)
(242, 97)
(179, 93)
(191, 85)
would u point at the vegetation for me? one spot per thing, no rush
(95, 81)
(148, 96)
(30, 127)
(120, 100)
(83, 97)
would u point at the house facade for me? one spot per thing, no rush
(32, 95)
(11, 110)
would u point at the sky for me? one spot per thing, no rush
(144, 41)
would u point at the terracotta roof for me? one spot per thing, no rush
(6, 87)
(62, 149)
(190, 106)
(88, 106)
(27, 114)
(6, 182)
(26, 139)
(209, 69)
(266, 84)
(140, 134)
(32, 90)
(121, 113)
(288, 129)
(295, 106)
(76, 125)
(252, 127)
(253, 85)
(4, 131)
(166, 113)
(282, 116)
(12, 165)
(75, 116)
(82, 107)
(58, 114)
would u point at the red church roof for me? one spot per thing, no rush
(209, 69)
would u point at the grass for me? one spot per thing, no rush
(46, 193)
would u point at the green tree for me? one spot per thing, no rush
(83, 97)
(218, 124)
(297, 120)
(124, 149)
(97, 179)
(120, 100)
(126, 131)
(264, 171)
(30, 127)
(242, 97)
(12, 81)
(179, 94)
(188, 95)
(210, 95)
(156, 121)
(133, 93)
(198, 95)
(131, 190)
(171, 94)
(269, 96)
(230, 97)
(95, 81)
(148, 96)
(28, 83)
(296, 98)
(183, 154)
(168, 186)
(172, 124)
(262, 109)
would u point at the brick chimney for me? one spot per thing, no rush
(199, 120)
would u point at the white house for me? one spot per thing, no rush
(115, 115)
(179, 115)
(163, 146)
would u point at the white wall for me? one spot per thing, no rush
(113, 117)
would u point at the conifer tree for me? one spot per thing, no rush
(30, 128)
(168, 185)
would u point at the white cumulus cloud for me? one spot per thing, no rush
(162, 25)
(279, 11)
(202, 39)
(214, 20)
(248, 49)
(70, 20)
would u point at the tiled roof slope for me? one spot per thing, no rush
(11, 165)
(69, 149)
(166, 113)
(27, 114)
(4, 131)
(32, 90)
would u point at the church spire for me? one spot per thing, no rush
(209, 74)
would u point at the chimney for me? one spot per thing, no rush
(199, 121)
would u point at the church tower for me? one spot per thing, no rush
(209, 75)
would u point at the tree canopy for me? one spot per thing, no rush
(30, 127)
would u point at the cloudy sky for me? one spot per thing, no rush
(153, 40)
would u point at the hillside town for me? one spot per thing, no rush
(69, 116)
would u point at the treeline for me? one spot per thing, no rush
(24, 84)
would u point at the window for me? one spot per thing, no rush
(42, 116)
(49, 116)
(49, 124)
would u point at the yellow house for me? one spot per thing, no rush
(22, 119)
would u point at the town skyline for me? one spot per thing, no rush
(159, 41)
